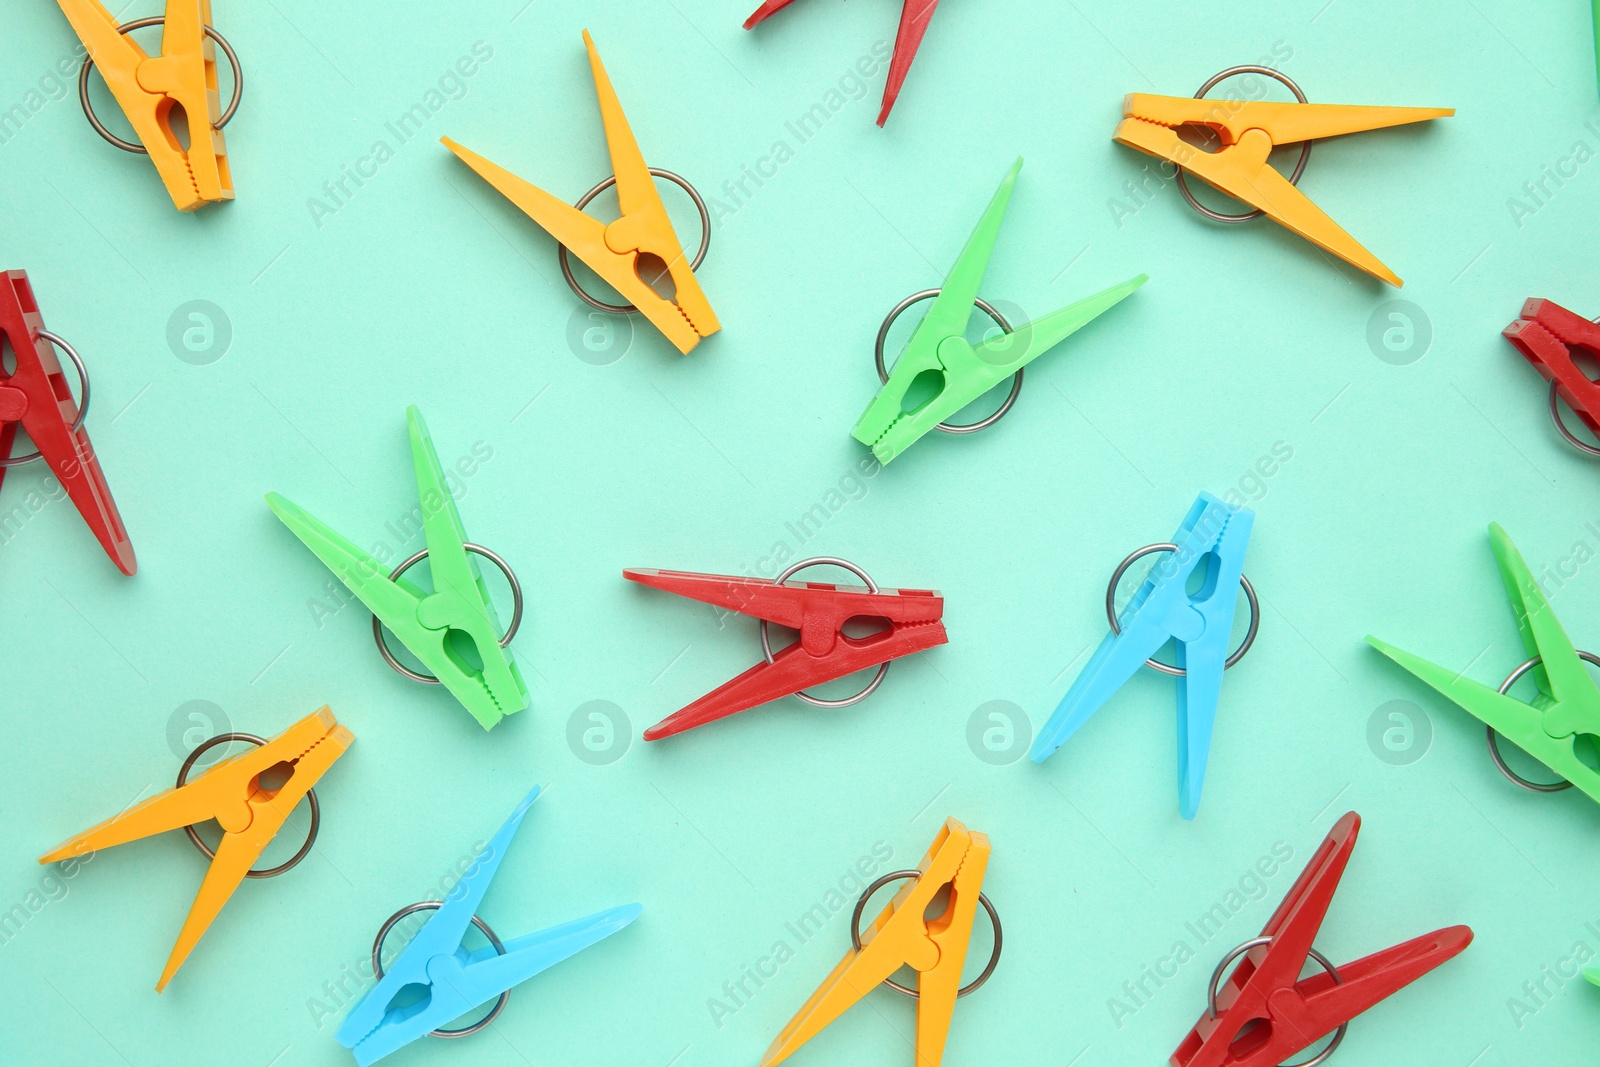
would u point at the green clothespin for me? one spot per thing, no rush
(1596, 5)
(451, 630)
(966, 371)
(1568, 703)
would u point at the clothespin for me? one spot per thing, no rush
(914, 19)
(904, 936)
(940, 347)
(429, 624)
(1568, 704)
(1549, 335)
(1265, 1012)
(34, 399)
(1249, 131)
(193, 162)
(248, 795)
(455, 979)
(616, 251)
(1215, 535)
(819, 610)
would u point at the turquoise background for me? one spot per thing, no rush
(425, 286)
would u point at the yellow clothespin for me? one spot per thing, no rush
(194, 166)
(642, 237)
(1249, 132)
(903, 936)
(250, 795)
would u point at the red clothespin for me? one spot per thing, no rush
(1265, 1012)
(1548, 334)
(35, 399)
(914, 19)
(819, 610)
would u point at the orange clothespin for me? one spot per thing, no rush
(250, 795)
(902, 935)
(642, 238)
(1249, 131)
(183, 77)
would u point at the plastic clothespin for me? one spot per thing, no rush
(34, 399)
(193, 164)
(914, 19)
(455, 979)
(823, 652)
(249, 811)
(904, 936)
(967, 371)
(613, 250)
(1547, 334)
(1249, 132)
(1568, 704)
(1214, 535)
(428, 624)
(1265, 1012)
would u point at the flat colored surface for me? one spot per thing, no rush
(1376, 442)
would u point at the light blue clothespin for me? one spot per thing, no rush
(1213, 534)
(457, 980)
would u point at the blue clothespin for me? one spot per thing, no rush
(457, 980)
(1214, 534)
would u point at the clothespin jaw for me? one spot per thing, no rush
(966, 371)
(432, 624)
(458, 980)
(1568, 703)
(1213, 535)
(1240, 168)
(250, 813)
(34, 398)
(902, 935)
(1549, 335)
(183, 78)
(823, 652)
(617, 251)
(915, 16)
(1267, 1013)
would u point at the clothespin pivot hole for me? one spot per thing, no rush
(139, 24)
(206, 850)
(907, 991)
(583, 201)
(766, 637)
(1261, 942)
(483, 928)
(1494, 737)
(1167, 668)
(1300, 164)
(14, 403)
(422, 609)
(948, 427)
